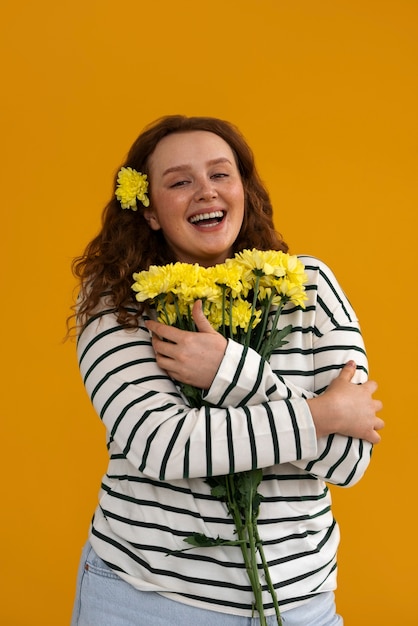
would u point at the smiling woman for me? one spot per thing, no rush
(189, 192)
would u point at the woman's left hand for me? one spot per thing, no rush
(189, 357)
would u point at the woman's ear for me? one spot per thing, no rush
(152, 219)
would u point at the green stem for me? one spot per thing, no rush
(231, 334)
(239, 526)
(268, 577)
(223, 309)
(265, 349)
(247, 544)
(178, 314)
(162, 299)
(262, 331)
(258, 591)
(253, 307)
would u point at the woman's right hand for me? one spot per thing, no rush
(187, 356)
(347, 409)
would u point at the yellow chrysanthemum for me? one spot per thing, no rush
(227, 275)
(241, 312)
(206, 291)
(167, 313)
(264, 262)
(268, 269)
(131, 186)
(295, 270)
(171, 278)
(214, 314)
(193, 283)
(293, 292)
(270, 294)
(153, 282)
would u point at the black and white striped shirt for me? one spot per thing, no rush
(154, 493)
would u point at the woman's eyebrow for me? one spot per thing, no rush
(177, 168)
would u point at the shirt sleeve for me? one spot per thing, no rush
(149, 423)
(339, 460)
(337, 339)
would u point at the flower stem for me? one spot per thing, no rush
(248, 544)
(268, 578)
(253, 307)
(262, 330)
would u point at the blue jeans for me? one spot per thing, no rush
(104, 599)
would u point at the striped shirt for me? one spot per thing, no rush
(154, 492)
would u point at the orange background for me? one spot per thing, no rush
(326, 93)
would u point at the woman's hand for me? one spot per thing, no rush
(189, 357)
(347, 408)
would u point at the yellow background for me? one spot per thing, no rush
(326, 93)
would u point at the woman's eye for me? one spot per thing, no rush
(179, 183)
(219, 175)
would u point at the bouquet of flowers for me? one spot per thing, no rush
(242, 299)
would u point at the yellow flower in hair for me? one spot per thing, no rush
(131, 186)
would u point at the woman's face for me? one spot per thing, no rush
(196, 196)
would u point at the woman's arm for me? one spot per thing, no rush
(346, 408)
(149, 422)
(195, 359)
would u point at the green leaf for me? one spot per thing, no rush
(192, 394)
(219, 492)
(198, 540)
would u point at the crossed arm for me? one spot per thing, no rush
(194, 358)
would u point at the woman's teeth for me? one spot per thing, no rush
(206, 216)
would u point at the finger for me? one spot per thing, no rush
(375, 438)
(371, 386)
(379, 424)
(163, 331)
(152, 326)
(348, 371)
(163, 348)
(202, 323)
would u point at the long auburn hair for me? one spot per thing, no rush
(126, 244)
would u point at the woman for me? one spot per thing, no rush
(304, 420)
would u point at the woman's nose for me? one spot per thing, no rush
(205, 190)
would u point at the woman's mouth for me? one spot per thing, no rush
(211, 218)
